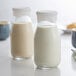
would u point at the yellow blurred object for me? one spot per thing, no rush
(71, 26)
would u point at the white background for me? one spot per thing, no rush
(66, 8)
(67, 14)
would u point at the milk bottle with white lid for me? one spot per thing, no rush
(47, 52)
(22, 39)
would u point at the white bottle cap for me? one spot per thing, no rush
(21, 11)
(47, 15)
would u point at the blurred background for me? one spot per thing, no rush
(65, 8)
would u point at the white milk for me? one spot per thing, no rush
(47, 47)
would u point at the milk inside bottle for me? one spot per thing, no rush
(47, 43)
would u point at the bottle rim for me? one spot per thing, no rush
(46, 12)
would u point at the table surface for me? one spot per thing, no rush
(9, 67)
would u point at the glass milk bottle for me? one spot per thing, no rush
(47, 52)
(22, 40)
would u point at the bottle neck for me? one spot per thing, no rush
(23, 18)
(50, 19)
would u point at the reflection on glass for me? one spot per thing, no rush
(22, 68)
(73, 61)
(49, 72)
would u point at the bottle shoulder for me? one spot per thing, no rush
(46, 23)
